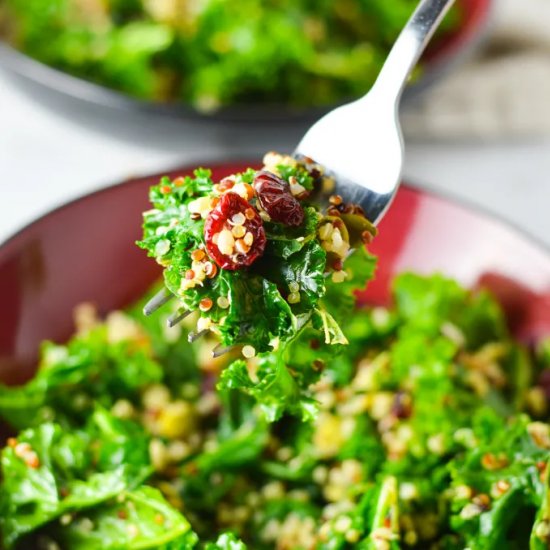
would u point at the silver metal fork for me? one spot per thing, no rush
(360, 144)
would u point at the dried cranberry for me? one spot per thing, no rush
(234, 233)
(402, 405)
(277, 200)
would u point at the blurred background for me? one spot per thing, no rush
(173, 85)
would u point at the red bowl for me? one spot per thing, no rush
(85, 251)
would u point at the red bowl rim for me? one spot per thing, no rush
(232, 165)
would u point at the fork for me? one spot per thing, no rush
(360, 144)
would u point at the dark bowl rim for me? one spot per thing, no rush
(219, 162)
(463, 43)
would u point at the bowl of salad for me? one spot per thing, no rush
(244, 61)
(409, 411)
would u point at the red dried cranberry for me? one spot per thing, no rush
(277, 200)
(402, 405)
(245, 249)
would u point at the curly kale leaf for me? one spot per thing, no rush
(340, 298)
(426, 303)
(138, 519)
(276, 389)
(305, 268)
(502, 462)
(92, 367)
(283, 241)
(72, 471)
(257, 312)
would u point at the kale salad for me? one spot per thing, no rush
(263, 267)
(214, 53)
(324, 426)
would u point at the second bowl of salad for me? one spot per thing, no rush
(229, 60)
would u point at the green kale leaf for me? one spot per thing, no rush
(93, 368)
(135, 520)
(48, 472)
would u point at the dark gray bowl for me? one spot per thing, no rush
(445, 54)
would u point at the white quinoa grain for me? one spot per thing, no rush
(22, 449)
(226, 242)
(178, 450)
(85, 525)
(436, 444)
(293, 298)
(320, 474)
(293, 286)
(204, 323)
(339, 276)
(326, 231)
(223, 302)
(238, 231)
(466, 437)
(240, 189)
(382, 403)
(540, 433)
(123, 409)
(162, 247)
(208, 403)
(248, 351)
(248, 239)
(202, 206)
(297, 189)
(273, 490)
(238, 219)
(453, 333)
(337, 240)
(121, 328)
(542, 529)
(155, 397)
(241, 247)
(408, 491)
(342, 524)
(65, 519)
(132, 530)
(326, 398)
(284, 454)
(271, 530)
(380, 316)
(470, 511)
(158, 454)
(463, 492)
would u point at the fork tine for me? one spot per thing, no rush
(158, 300)
(193, 336)
(178, 316)
(220, 350)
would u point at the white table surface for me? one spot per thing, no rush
(53, 149)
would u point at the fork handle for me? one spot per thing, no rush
(409, 47)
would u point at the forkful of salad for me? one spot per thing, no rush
(262, 254)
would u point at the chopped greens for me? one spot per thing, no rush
(428, 429)
(214, 52)
(263, 266)
(48, 472)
